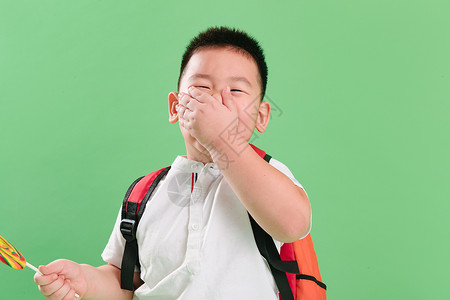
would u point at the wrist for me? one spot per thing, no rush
(224, 153)
(89, 278)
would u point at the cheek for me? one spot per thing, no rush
(248, 112)
(247, 118)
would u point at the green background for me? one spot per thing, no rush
(362, 92)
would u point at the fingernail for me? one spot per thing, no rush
(191, 88)
(228, 90)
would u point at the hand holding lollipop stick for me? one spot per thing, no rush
(10, 256)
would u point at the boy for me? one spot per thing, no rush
(195, 239)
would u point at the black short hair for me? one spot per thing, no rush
(227, 37)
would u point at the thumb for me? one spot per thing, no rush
(227, 99)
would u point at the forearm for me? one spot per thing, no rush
(104, 283)
(279, 206)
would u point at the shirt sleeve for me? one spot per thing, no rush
(114, 249)
(285, 170)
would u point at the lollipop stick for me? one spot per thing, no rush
(36, 270)
(33, 268)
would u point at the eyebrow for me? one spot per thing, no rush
(232, 78)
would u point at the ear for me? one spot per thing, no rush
(173, 101)
(263, 116)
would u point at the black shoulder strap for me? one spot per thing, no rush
(268, 250)
(132, 210)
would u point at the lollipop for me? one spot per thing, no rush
(12, 257)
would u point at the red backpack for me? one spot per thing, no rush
(295, 269)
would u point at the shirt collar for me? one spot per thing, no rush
(184, 164)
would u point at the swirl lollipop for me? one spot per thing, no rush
(12, 257)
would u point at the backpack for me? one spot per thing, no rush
(295, 269)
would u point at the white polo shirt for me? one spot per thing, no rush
(195, 240)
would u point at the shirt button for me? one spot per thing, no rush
(191, 268)
(195, 226)
(188, 266)
(196, 193)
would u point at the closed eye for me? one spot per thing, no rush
(202, 86)
(235, 90)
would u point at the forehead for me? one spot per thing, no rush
(221, 63)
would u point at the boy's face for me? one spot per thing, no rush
(212, 70)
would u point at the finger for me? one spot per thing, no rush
(62, 292)
(70, 295)
(200, 95)
(187, 101)
(218, 98)
(56, 266)
(227, 99)
(185, 122)
(45, 279)
(51, 288)
(181, 110)
(187, 115)
(183, 99)
(181, 121)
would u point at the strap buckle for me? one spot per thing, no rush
(128, 229)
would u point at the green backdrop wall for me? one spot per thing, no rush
(362, 94)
